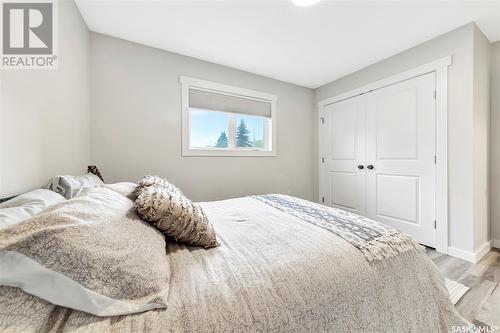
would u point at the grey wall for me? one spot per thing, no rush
(136, 125)
(458, 44)
(481, 121)
(495, 144)
(44, 114)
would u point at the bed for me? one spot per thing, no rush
(274, 271)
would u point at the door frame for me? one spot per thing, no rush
(440, 67)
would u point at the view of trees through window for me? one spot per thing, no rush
(222, 140)
(242, 138)
(211, 129)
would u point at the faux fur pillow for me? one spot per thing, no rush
(165, 207)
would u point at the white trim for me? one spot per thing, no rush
(440, 67)
(441, 171)
(322, 188)
(461, 254)
(483, 250)
(417, 71)
(473, 257)
(189, 82)
(495, 243)
(228, 152)
(226, 89)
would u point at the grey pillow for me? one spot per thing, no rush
(91, 253)
(165, 207)
(70, 186)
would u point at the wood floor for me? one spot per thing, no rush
(481, 304)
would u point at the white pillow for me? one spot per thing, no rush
(126, 189)
(71, 186)
(27, 205)
(90, 253)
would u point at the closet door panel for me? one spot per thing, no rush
(400, 146)
(344, 150)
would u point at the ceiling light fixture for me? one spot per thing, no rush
(305, 3)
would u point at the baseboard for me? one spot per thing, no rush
(461, 254)
(472, 257)
(485, 248)
(495, 243)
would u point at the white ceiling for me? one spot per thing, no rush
(308, 46)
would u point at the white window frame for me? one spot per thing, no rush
(219, 88)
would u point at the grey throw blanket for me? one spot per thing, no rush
(375, 240)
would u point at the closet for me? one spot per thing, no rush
(378, 155)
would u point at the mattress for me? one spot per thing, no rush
(273, 272)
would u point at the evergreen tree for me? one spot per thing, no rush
(242, 138)
(222, 140)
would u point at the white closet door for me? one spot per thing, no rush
(343, 134)
(400, 145)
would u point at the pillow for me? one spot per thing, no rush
(27, 205)
(91, 253)
(126, 189)
(71, 186)
(157, 181)
(166, 208)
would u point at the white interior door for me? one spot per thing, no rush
(343, 142)
(400, 141)
(390, 132)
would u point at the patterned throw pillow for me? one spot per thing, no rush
(165, 207)
(155, 181)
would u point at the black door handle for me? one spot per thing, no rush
(361, 167)
(370, 167)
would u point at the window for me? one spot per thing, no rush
(221, 120)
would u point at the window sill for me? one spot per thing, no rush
(228, 153)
